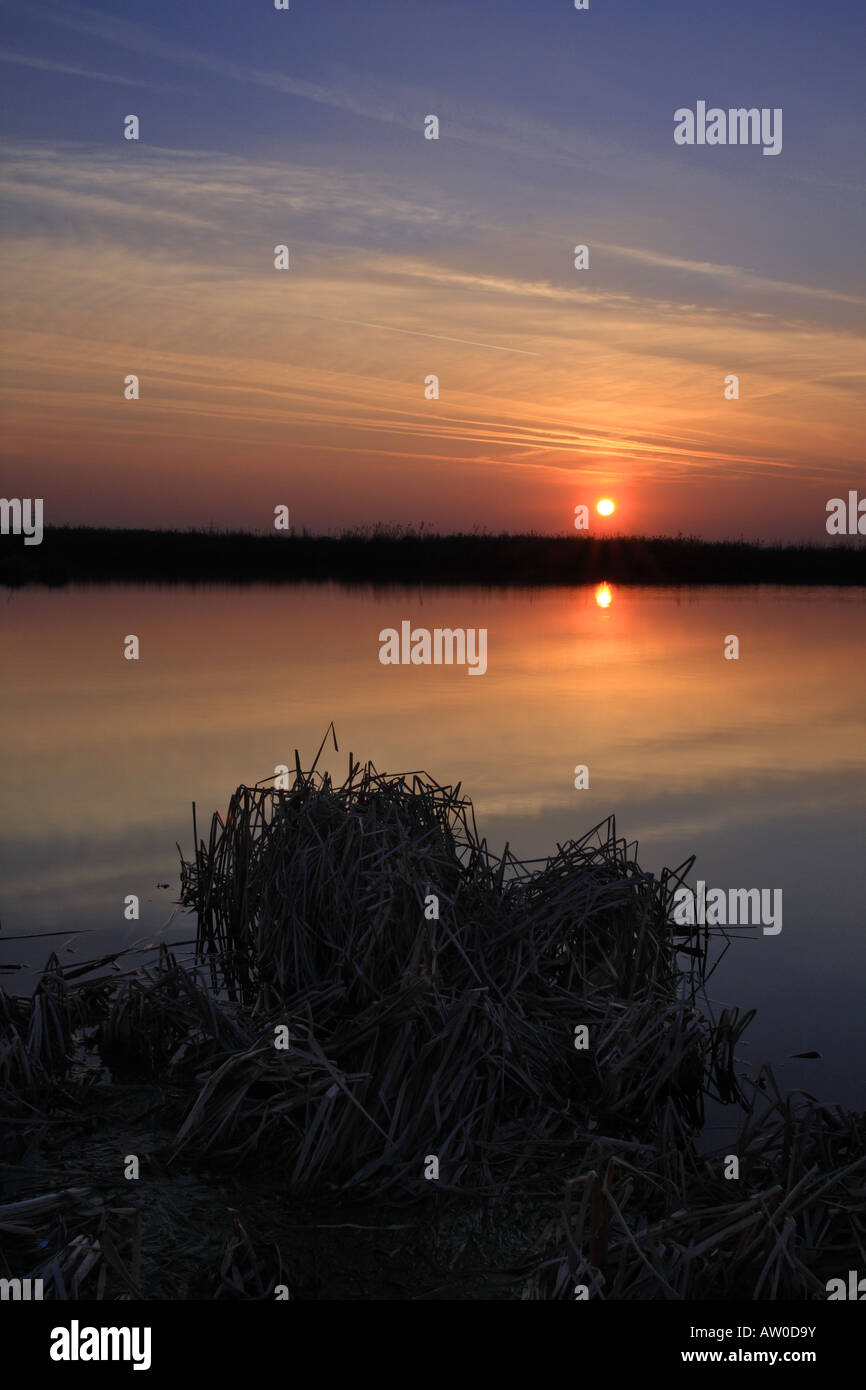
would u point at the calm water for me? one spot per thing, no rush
(758, 766)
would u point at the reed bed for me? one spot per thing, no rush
(35, 1039)
(636, 1225)
(411, 1035)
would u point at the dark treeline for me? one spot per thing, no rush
(388, 555)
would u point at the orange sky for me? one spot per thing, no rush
(409, 258)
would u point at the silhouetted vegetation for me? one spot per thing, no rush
(392, 555)
(288, 1084)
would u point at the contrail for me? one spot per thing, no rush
(414, 332)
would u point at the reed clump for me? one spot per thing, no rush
(431, 989)
(369, 988)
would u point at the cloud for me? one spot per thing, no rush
(226, 192)
(486, 124)
(542, 378)
(137, 38)
(439, 337)
(745, 279)
(25, 60)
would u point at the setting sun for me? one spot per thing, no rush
(605, 506)
(603, 596)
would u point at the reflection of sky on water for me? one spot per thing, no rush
(757, 766)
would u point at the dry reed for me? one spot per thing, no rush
(414, 1035)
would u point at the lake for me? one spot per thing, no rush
(756, 765)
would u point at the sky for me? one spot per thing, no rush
(411, 258)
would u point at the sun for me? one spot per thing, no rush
(603, 596)
(605, 507)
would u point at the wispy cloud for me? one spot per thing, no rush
(438, 337)
(223, 190)
(26, 60)
(138, 38)
(745, 279)
(487, 124)
(599, 376)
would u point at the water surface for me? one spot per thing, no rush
(758, 765)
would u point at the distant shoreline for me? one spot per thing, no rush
(383, 556)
